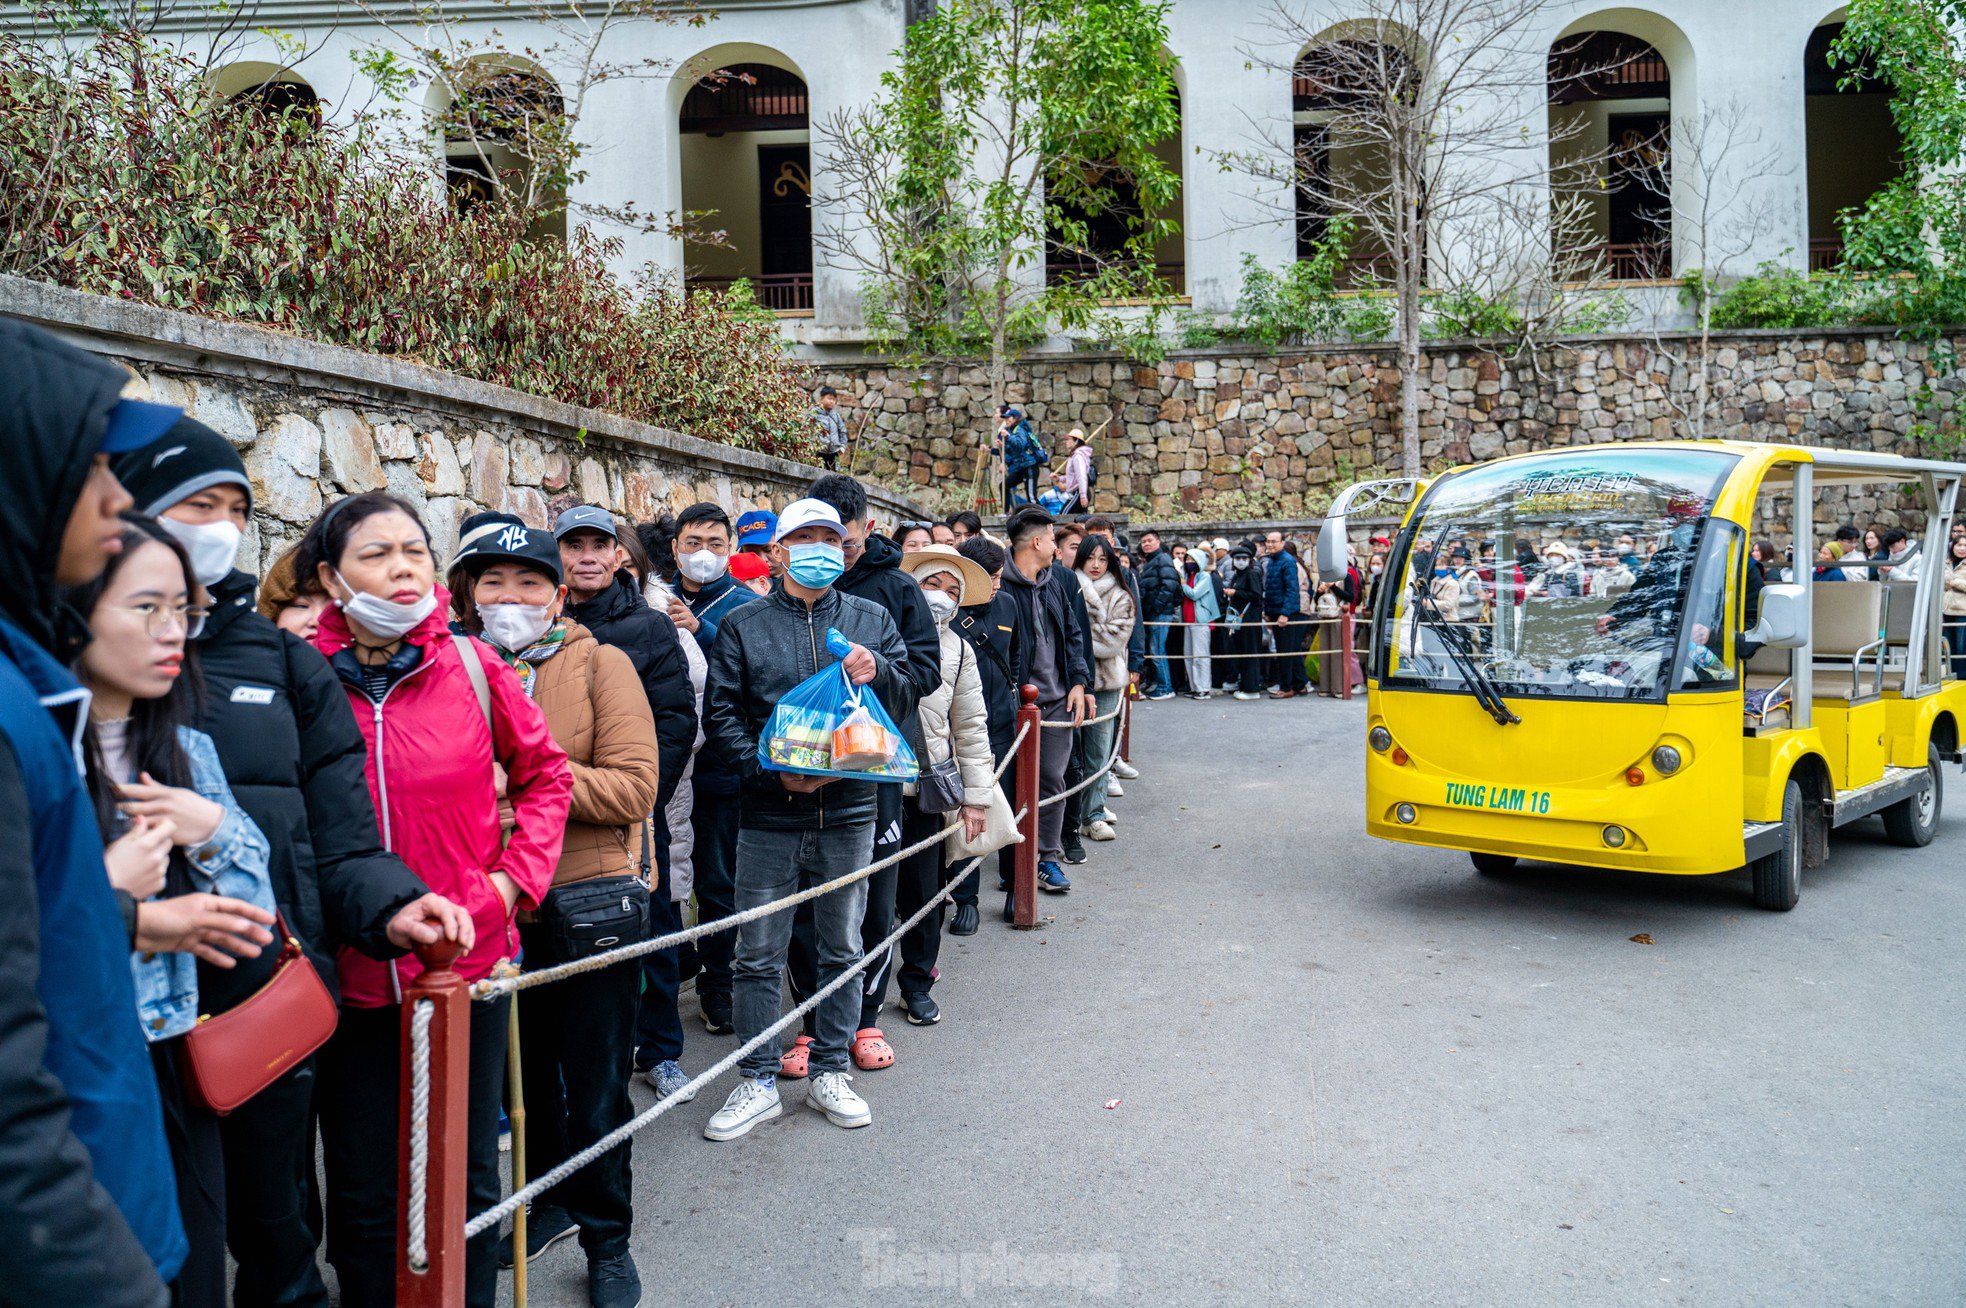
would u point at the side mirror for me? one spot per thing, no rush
(1333, 535)
(1784, 620)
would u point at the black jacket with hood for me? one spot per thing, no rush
(66, 1240)
(621, 617)
(763, 650)
(295, 760)
(1049, 603)
(991, 630)
(877, 577)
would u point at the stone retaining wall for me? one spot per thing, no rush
(1230, 434)
(317, 421)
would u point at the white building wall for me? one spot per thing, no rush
(1235, 97)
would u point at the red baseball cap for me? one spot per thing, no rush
(748, 567)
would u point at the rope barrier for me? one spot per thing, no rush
(1111, 759)
(511, 1203)
(1103, 717)
(492, 987)
(420, 1132)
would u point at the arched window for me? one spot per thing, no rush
(1345, 93)
(747, 168)
(1610, 106)
(501, 130)
(1852, 142)
(269, 88)
(1108, 231)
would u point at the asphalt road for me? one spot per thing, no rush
(1347, 1072)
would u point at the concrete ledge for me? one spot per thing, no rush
(230, 349)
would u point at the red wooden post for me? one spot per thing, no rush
(1131, 693)
(1348, 651)
(1024, 874)
(439, 1282)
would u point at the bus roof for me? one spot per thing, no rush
(1831, 466)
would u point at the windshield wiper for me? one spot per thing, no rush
(1454, 640)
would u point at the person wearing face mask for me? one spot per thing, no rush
(173, 831)
(1653, 598)
(1243, 597)
(953, 727)
(441, 755)
(294, 757)
(577, 1034)
(1110, 616)
(798, 830)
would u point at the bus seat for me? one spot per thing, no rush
(1846, 619)
(1900, 598)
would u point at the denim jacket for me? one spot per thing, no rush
(232, 863)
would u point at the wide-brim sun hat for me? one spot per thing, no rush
(946, 558)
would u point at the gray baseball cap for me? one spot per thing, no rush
(588, 516)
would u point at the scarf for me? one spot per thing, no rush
(526, 662)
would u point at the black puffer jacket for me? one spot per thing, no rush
(990, 630)
(763, 650)
(877, 577)
(1160, 587)
(621, 617)
(294, 758)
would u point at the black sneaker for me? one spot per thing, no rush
(613, 1282)
(716, 1014)
(921, 1010)
(546, 1226)
(1074, 849)
(965, 921)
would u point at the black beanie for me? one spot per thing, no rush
(188, 458)
(487, 538)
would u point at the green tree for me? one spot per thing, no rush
(1010, 131)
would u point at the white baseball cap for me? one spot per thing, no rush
(808, 513)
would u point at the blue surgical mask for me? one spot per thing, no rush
(815, 565)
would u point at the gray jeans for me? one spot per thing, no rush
(772, 865)
(1054, 756)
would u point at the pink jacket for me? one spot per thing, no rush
(430, 772)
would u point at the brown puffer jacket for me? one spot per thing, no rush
(596, 710)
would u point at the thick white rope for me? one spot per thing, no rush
(1103, 717)
(510, 1204)
(492, 987)
(420, 1020)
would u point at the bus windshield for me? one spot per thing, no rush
(1565, 576)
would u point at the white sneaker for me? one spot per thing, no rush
(1107, 816)
(1114, 789)
(1098, 831)
(1124, 770)
(830, 1093)
(751, 1103)
(1245, 694)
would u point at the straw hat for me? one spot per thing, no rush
(946, 558)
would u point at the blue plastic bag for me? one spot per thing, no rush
(806, 723)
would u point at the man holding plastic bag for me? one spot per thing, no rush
(805, 687)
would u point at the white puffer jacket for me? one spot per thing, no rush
(954, 722)
(682, 838)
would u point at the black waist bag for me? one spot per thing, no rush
(591, 917)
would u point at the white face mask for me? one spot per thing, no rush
(386, 618)
(942, 604)
(515, 628)
(702, 567)
(212, 547)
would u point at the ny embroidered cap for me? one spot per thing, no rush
(591, 517)
(808, 513)
(487, 538)
(758, 527)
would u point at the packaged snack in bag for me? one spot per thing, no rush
(859, 742)
(828, 727)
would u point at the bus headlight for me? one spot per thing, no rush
(1667, 760)
(1614, 837)
(1382, 739)
(1405, 813)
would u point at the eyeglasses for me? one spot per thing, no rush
(160, 619)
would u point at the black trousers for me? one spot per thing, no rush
(715, 861)
(919, 879)
(198, 1162)
(361, 1070)
(658, 1027)
(575, 1044)
(802, 955)
(999, 746)
(1289, 662)
(1249, 641)
(1076, 811)
(269, 1172)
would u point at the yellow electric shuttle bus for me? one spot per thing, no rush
(1572, 661)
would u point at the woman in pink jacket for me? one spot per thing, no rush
(439, 760)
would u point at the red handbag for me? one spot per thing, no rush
(229, 1058)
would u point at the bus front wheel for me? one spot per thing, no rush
(1492, 865)
(1778, 876)
(1913, 822)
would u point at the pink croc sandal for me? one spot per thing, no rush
(871, 1051)
(793, 1062)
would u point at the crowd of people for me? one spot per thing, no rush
(538, 747)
